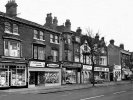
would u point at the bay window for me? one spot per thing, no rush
(12, 48)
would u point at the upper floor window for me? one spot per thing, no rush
(15, 29)
(11, 28)
(12, 48)
(39, 52)
(103, 61)
(77, 39)
(42, 36)
(7, 27)
(68, 55)
(51, 38)
(39, 35)
(54, 38)
(35, 34)
(77, 58)
(54, 54)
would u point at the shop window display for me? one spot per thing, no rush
(3, 77)
(71, 76)
(18, 77)
(51, 77)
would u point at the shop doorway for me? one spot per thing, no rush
(37, 78)
(111, 76)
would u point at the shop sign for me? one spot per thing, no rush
(117, 67)
(101, 69)
(75, 65)
(37, 64)
(87, 67)
(52, 65)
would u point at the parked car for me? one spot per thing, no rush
(97, 80)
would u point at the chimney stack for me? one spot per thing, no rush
(122, 46)
(49, 20)
(68, 25)
(11, 8)
(79, 31)
(112, 42)
(55, 23)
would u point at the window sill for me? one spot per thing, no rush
(38, 39)
(8, 32)
(15, 34)
(54, 42)
(10, 57)
(11, 33)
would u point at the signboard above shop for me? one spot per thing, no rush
(36, 64)
(52, 65)
(87, 67)
(117, 66)
(73, 65)
(101, 69)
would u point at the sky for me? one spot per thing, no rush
(113, 19)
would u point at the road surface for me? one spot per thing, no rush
(117, 92)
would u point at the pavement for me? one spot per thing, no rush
(67, 87)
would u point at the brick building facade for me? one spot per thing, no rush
(29, 52)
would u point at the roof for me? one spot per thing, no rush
(121, 50)
(27, 22)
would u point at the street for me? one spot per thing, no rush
(122, 92)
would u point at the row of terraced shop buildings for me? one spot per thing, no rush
(50, 55)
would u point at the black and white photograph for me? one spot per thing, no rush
(66, 50)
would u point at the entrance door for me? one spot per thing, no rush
(32, 78)
(36, 78)
(111, 76)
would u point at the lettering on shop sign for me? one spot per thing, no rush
(52, 65)
(101, 69)
(87, 67)
(117, 67)
(71, 65)
(37, 64)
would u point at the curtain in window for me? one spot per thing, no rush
(15, 28)
(41, 54)
(7, 27)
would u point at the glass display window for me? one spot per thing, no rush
(18, 77)
(71, 76)
(51, 77)
(4, 79)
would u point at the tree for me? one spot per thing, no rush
(95, 47)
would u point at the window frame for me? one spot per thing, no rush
(56, 57)
(37, 52)
(7, 27)
(9, 49)
(41, 35)
(15, 28)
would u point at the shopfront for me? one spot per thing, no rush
(12, 75)
(71, 73)
(102, 72)
(86, 73)
(117, 73)
(46, 75)
(126, 73)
